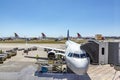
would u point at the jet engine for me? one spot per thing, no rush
(51, 55)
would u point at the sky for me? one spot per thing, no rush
(55, 17)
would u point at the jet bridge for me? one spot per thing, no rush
(92, 49)
(103, 52)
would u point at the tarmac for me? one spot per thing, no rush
(21, 68)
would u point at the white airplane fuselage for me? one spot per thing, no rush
(76, 58)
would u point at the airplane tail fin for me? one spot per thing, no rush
(43, 35)
(78, 35)
(68, 37)
(16, 35)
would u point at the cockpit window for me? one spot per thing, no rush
(70, 54)
(75, 55)
(83, 55)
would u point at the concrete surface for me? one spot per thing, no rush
(21, 68)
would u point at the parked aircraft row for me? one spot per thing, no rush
(16, 36)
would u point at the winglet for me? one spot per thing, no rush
(68, 37)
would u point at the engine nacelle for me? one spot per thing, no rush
(51, 55)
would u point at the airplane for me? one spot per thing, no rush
(76, 58)
(52, 38)
(6, 38)
(25, 38)
(36, 38)
(16, 36)
(81, 37)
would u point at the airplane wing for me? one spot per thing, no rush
(58, 51)
(43, 58)
(55, 49)
(33, 57)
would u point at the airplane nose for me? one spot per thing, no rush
(82, 67)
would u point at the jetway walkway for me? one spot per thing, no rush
(92, 49)
(103, 52)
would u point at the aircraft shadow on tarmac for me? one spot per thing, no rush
(63, 76)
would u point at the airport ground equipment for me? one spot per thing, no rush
(12, 52)
(51, 66)
(26, 51)
(103, 52)
(33, 48)
(20, 49)
(8, 54)
(1, 51)
(15, 49)
(3, 57)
